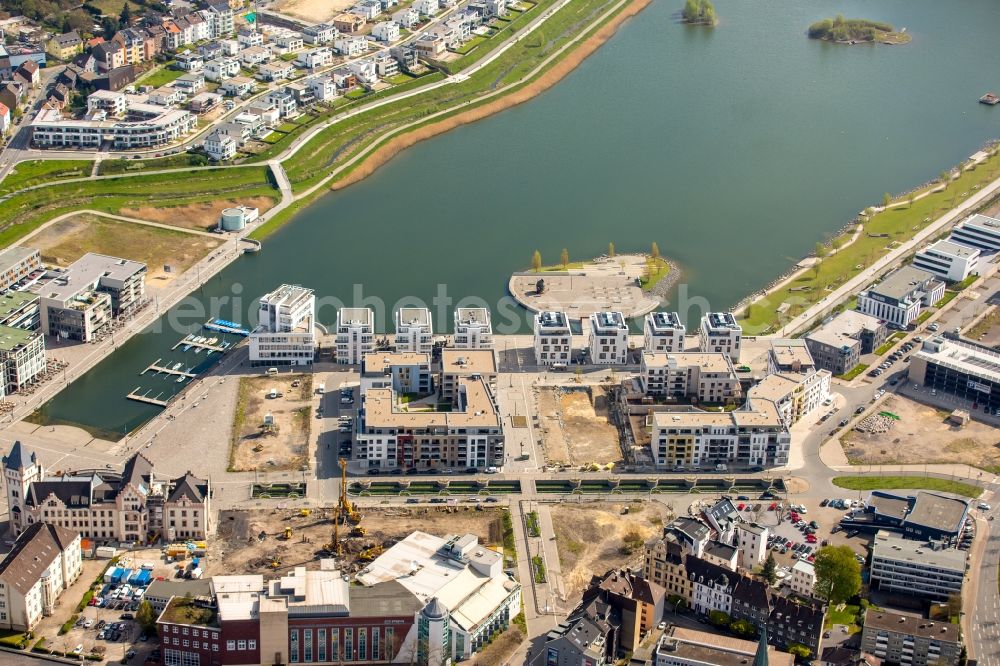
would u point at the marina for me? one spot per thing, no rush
(155, 368)
(224, 326)
(199, 343)
(144, 397)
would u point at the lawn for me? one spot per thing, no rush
(948, 297)
(112, 7)
(890, 343)
(160, 77)
(848, 615)
(178, 161)
(853, 372)
(662, 269)
(908, 483)
(882, 229)
(36, 172)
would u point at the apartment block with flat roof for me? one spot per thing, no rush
(407, 373)
(22, 357)
(608, 338)
(19, 309)
(473, 328)
(553, 339)
(914, 641)
(414, 330)
(698, 376)
(457, 364)
(901, 295)
(355, 334)
(923, 569)
(16, 263)
(838, 344)
(284, 333)
(663, 332)
(719, 332)
(948, 260)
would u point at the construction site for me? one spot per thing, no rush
(281, 538)
(272, 424)
(575, 426)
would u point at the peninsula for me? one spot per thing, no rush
(856, 31)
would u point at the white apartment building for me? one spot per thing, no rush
(43, 563)
(403, 372)
(386, 31)
(978, 231)
(220, 146)
(753, 435)
(355, 334)
(323, 88)
(663, 332)
(919, 568)
(221, 69)
(350, 45)
(793, 394)
(284, 334)
(473, 328)
(414, 330)
(720, 333)
(407, 18)
(426, 7)
(803, 579)
(314, 58)
(553, 339)
(751, 540)
(148, 125)
(901, 295)
(705, 377)
(321, 33)
(608, 338)
(22, 358)
(948, 260)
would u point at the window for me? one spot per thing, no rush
(389, 648)
(375, 643)
(348, 644)
(321, 645)
(252, 644)
(362, 644)
(293, 646)
(334, 644)
(241, 645)
(307, 648)
(230, 645)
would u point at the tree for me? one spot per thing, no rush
(770, 571)
(838, 574)
(913, 197)
(819, 250)
(719, 618)
(611, 249)
(536, 261)
(126, 16)
(886, 200)
(655, 251)
(146, 617)
(743, 628)
(799, 650)
(944, 176)
(954, 604)
(564, 257)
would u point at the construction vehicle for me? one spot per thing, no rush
(346, 508)
(304, 513)
(287, 536)
(369, 554)
(358, 531)
(335, 547)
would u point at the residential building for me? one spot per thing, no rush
(108, 56)
(978, 231)
(350, 45)
(753, 435)
(220, 19)
(426, 7)
(950, 261)
(695, 376)
(838, 344)
(221, 69)
(5, 117)
(365, 71)
(106, 505)
(414, 330)
(803, 579)
(81, 301)
(355, 334)
(19, 309)
(321, 33)
(460, 364)
(722, 554)
(255, 55)
(663, 563)
(406, 18)
(137, 46)
(190, 83)
(719, 332)
(248, 36)
(65, 46)
(430, 45)
(283, 101)
(961, 368)
(348, 23)
(220, 146)
(794, 394)
(16, 263)
(149, 126)
(608, 338)
(166, 96)
(284, 333)
(922, 569)
(553, 339)
(315, 58)
(237, 86)
(473, 328)
(323, 88)
(43, 563)
(275, 71)
(901, 295)
(689, 647)
(663, 332)
(386, 64)
(22, 358)
(204, 102)
(788, 355)
(902, 639)
(113, 103)
(290, 42)
(189, 62)
(386, 31)
(408, 373)
(751, 539)
(723, 517)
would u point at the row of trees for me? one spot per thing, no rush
(701, 12)
(536, 257)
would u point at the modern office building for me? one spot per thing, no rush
(903, 639)
(978, 231)
(355, 334)
(663, 332)
(284, 333)
(16, 263)
(43, 563)
(950, 261)
(960, 368)
(901, 295)
(689, 376)
(925, 515)
(82, 299)
(414, 330)
(923, 569)
(473, 329)
(608, 338)
(719, 332)
(19, 309)
(838, 344)
(553, 339)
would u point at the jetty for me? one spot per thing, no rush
(144, 397)
(156, 368)
(193, 341)
(224, 326)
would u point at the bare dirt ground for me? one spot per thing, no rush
(66, 241)
(314, 11)
(283, 445)
(238, 549)
(924, 435)
(594, 538)
(575, 424)
(202, 216)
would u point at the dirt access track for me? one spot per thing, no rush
(574, 421)
(238, 548)
(924, 435)
(201, 216)
(593, 538)
(282, 445)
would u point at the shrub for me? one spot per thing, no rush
(70, 623)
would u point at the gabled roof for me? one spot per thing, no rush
(15, 459)
(189, 486)
(74, 492)
(33, 552)
(138, 471)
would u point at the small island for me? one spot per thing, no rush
(699, 12)
(856, 31)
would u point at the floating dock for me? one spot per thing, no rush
(990, 99)
(190, 341)
(157, 369)
(144, 397)
(226, 327)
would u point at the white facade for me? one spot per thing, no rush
(285, 333)
(220, 146)
(407, 18)
(803, 579)
(314, 58)
(901, 296)
(948, 260)
(751, 540)
(473, 328)
(159, 126)
(720, 333)
(978, 231)
(426, 7)
(414, 330)
(553, 339)
(350, 45)
(43, 563)
(608, 338)
(386, 31)
(663, 332)
(221, 69)
(916, 568)
(355, 334)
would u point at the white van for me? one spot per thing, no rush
(272, 371)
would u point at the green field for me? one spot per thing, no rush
(898, 224)
(160, 77)
(36, 172)
(907, 483)
(178, 161)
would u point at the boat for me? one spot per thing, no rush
(212, 341)
(185, 348)
(176, 366)
(181, 379)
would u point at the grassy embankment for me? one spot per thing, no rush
(341, 141)
(871, 482)
(883, 229)
(37, 172)
(178, 161)
(25, 212)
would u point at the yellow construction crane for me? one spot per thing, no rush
(347, 509)
(335, 546)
